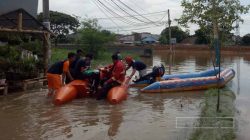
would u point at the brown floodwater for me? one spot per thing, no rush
(31, 115)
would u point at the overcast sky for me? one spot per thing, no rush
(89, 9)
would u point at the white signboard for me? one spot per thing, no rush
(173, 41)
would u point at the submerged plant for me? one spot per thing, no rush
(222, 122)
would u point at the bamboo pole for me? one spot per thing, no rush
(46, 45)
(22, 31)
(217, 48)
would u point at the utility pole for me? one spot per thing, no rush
(169, 29)
(46, 13)
(47, 44)
(170, 46)
(237, 33)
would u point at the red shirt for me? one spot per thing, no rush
(118, 72)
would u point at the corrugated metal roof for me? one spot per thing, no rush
(149, 38)
(10, 21)
(30, 6)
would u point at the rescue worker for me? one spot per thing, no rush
(81, 66)
(155, 75)
(83, 72)
(116, 78)
(137, 66)
(57, 73)
(79, 53)
(119, 55)
(108, 69)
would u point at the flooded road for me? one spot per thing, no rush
(31, 115)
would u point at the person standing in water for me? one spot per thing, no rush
(57, 73)
(79, 54)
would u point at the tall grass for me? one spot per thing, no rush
(104, 57)
(227, 110)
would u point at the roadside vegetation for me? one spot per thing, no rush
(209, 114)
(103, 59)
(21, 62)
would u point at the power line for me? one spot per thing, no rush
(133, 21)
(123, 19)
(134, 11)
(111, 12)
(134, 3)
(118, 8)
(128, 13)
(149, 14)
(141, 24)
(141, 28)
(159, 23)
(114, 13)
(106, 15)
(103, 7)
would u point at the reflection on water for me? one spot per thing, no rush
(143, 116)
(238, 75)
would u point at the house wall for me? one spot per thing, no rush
(143, 35)
(129, 38)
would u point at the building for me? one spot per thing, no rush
(149, 40)
(145, 34)
(138, 38)
(127, 39)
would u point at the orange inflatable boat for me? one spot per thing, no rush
(117, 94)
(77, 88)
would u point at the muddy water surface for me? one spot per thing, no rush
(143, 116)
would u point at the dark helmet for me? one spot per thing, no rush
(158, 71)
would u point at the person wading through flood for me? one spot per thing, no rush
(82, 72)
(116, 78)
(137, 66)
(57, 73)
(82, 66)
(79, 54)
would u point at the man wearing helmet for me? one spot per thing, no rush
(115, 79)
(137, 66)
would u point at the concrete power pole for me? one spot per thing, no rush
(237, 33)
(47, 44)
(169, 28)
(170, 46)
(46, 13)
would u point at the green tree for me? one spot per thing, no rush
(61, 24)
(203, 36)
(93, 37)
(246, 39)
(163, 39)
(219, 14)
(176, 32)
